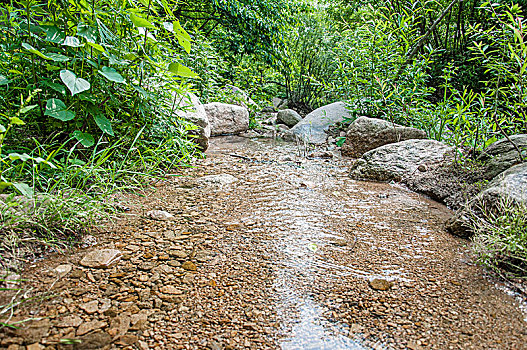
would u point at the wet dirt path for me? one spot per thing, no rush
(283, 257)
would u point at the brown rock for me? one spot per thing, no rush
(171, 290)
(189, 266)
(90, 307)
(90, 326)
(95, 340)
(380, 284)
(34, 331)
(70, 321)
(35, 346)
(127, 339)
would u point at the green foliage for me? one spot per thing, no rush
(500, 240)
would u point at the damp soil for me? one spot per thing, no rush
(292, 255)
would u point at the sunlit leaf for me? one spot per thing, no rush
(112, 75)
(182, 36)
(22, 157)
(74, 84)
(181, 70)
(96, 46)
(72, 41)
(16, 121)
(26, 109)
(2, 128)
(57, 109)
(140, 22)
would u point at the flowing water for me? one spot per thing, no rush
(330, 234)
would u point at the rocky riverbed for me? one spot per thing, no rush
(259, 247)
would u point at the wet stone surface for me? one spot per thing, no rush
(292, 254)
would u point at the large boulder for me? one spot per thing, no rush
(314, 126)
(502, 155)
(447, 182)
(398, 161)
(365, 134)
(226, 119)
(288, 117)
(510, 185)
(188, 107)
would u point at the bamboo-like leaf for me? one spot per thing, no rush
(140, 22)
(182, 36)
(181, 70)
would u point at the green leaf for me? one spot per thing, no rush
(112, 75)
(102, 122)
(26, 109)
(74, 84)
(3, 80)
(140, 22)
(87, 32)
(35, 51)
(16, 121)
(50, 56)
(183, 37)
(53, 34)
(72, 41)
(84, 138)
(57, 109)
(2, 128)
(40, 160)
(57, 57)
(23, 157)
(24, 189)
(181, 70)
(96, 46)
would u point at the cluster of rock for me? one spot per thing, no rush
(429, 167)
(212, 119)
(386, 152)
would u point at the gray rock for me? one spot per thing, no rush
(502, 155)
(189, 107)
(280, 103)
(103, 258)
(365, 134)
(226, 119)
(509, 185)
(399, 160)
(288, 117)
(314, 126)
